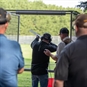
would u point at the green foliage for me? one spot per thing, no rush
(39, 23)
(13, 26)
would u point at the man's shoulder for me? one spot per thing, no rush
(14, 43)
(71, 45)
(61, 43)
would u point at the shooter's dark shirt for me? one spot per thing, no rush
(40, 61)
(72, 64)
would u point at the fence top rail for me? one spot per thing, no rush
(26, 69)
(43, 12)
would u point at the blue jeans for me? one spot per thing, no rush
(43, 79)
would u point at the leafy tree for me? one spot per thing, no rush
(39, 23)
(83, 5)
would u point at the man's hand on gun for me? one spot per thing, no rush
(37, 37)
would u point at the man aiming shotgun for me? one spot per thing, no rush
(40, 61)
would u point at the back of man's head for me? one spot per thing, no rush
(4, 16)
(47, 37)
(80, 25)
(64, 30)
(81, 21)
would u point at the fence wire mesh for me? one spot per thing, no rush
(12, 31)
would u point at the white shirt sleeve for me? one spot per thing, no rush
(60, 48)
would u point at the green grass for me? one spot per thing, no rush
(27, 51)
(24, 79)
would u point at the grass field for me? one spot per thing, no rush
(24, 80)
(27, 51)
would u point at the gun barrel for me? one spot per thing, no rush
(32, 31)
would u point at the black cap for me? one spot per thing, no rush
(3, 13)
(64, 30)
(46, 36)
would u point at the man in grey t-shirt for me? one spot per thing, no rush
(64, 35)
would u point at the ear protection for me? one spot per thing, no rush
(47, 37)
(8, 16)
(5, 18)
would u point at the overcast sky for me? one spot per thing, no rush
(63, 3)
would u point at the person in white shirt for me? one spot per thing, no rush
(64, 35)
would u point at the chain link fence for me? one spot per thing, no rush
(12, 32)
(24, 80)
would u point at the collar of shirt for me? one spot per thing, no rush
(2, 35)
(65, 38)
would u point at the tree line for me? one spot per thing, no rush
(39, 23)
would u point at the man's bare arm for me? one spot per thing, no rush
(58, 83)
(48, 53)
(20, 70)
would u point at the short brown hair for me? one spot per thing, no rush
(81, 21)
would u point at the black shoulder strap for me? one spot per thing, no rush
(66, 42)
